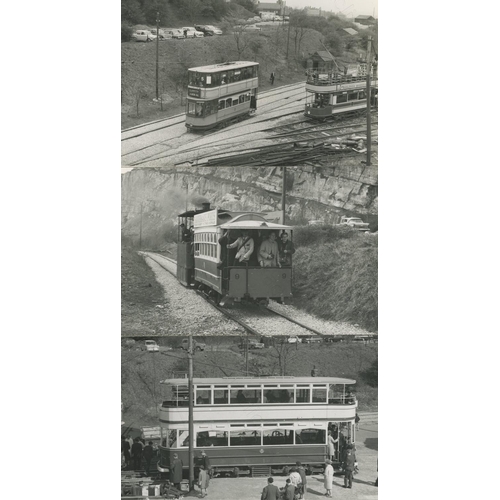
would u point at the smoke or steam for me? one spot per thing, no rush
(198, 199)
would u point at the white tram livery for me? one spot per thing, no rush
(258, 425)
(221, 93)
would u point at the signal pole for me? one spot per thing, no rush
(368, 104)
(191, 409)
(157, 42)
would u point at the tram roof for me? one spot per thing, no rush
(260, 380)
(259, 223)
(224, 66)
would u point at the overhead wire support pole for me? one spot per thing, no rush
(283, 197)
(191, 411)
(157, 49)
(368, 104)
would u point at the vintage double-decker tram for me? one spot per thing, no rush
(330, 93)
(257, 425)
(208, 265)
(221, 93)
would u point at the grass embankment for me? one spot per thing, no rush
(141, 293)
(335, 274)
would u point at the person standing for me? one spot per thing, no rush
(148, 453)
(176, 471)
(331, 445)
(272, 78)
(314, 371)
(137, 454)
(328, 483)
(286, 249)
(356, 420)
(289, 490)
(126, 451)
(349, 466)
(203, 481)
(245, 247)
(303, 476)
(270, 492)
(268, 253)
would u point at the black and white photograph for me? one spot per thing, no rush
(249, 249)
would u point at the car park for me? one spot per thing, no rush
(313, 340)
(293, 339)
(163, 35)
(355, 223)
(248, 28)
(252, 344)
(143, 36)
(208, 30)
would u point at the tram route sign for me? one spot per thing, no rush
(194, 92)
(206, 219)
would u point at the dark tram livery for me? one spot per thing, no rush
(205, 263)
(330, 94)
(258, 425)
(221, 93)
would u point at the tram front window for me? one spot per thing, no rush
(245, 437)
(221, 397)
(303, 394)
(319, 395)
(203, 397)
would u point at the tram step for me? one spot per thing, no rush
(261, 470)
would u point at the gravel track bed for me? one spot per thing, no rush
(321, 325)
(187, 312)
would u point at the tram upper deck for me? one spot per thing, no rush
(333, 82)
(216, 80)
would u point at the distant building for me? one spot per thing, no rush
(312, 12)
(350, 31)
(321, 61)
(366, 20)
(272, 8)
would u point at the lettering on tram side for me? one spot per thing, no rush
(194, 92)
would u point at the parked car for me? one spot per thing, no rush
(313, 340)
(143, 36)
(192, 32)
(249, 28)
(163, 35)
(198, 346)
(174, 32)
(129, 343)
(150, 346)
(277, 18)
(293, 339)
(208, 30)
(252, 344)
(355, 223)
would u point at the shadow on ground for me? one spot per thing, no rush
(371, 443)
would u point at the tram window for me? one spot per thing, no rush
(310, 436)
(223, 80)
(362, 95)
(277, 396)
(302, 394)
(241, 99)
(183, 440)
(198, 109)
(221, 397)
(335, 394)
(230, 76)
(191, 107)
(209, 80)
(170, 438)
(245, 396)
(247, 97)
(222, 104)
(342, 98)
(211, 438)
(276, 437)
(319, 395)
(353, 96)
(203, 397)
(245, 437)
(235, 102)
(229, 102)
(237, 76)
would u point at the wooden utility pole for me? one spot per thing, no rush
(283, 197)
(368, 104)
(140, 231)
(157, 49)
(191, 409)
(288, 40)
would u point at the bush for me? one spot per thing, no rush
(305, 236)
(126, 32)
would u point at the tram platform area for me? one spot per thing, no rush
(363, 488)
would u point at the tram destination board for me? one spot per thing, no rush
(194, 92)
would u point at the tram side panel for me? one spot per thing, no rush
(261, 282)
(185, 263)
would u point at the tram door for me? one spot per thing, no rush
(253, 99)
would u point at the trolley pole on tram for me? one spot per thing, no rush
(368, 104)
(157, 42)
(191, 406)
(283, 197)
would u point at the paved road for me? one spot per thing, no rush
(167, 142)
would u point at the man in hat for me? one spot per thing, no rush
(349, 465)
(245, 245)
(303, 476)
(176, 471)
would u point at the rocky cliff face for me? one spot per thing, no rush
(153, 197)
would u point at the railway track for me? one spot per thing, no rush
(260, 321)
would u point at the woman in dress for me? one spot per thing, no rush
(328, 478)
